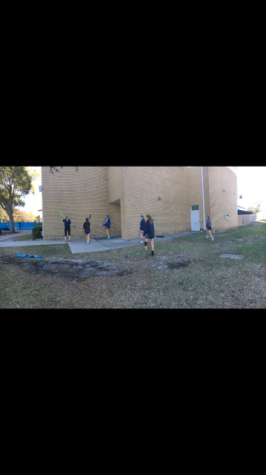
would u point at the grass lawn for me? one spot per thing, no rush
(27, 237)
(186, 272)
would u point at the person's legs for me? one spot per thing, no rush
(69, 237)
(141, 236)
(88, 238)
(107, 232)
(146, 245)
(65, 234)
(152, 246)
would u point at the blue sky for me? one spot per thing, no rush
(251, 185)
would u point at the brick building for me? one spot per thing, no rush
(176, 198)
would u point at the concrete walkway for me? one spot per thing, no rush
(80, 246)
(10, 237)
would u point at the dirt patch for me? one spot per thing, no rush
(68, 269)
(180, 264)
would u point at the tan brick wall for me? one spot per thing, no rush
(127, 192)
(222, 203)
(115, 183)
(78, 194)
(142, 186)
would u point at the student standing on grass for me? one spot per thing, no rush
(107, 225)
(209, 228)
(149, 234)
(87, 229)
(142, 225)
(67, 223)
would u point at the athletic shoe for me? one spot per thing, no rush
(108, 237)
(141, 242)
(212, 239)
(207, 237)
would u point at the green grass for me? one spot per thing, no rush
(27, 237)
(207, 282)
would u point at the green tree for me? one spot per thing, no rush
(21, 216)
(15, 183)
(3, 216)
(255, 208)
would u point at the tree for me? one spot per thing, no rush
(255, 208)
(21, 216)
(3, 216)
(15, 182)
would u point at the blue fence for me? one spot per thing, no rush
(18, 226)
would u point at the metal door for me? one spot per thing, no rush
(195, 218)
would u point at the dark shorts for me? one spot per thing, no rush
(67, 230)
(150, 236)
(86, 232)
(209, 228)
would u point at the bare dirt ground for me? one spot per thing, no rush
(184, 273)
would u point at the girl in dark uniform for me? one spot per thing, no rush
(67, 223)
(149, 234)
(142, 224)
(87, 229)
(107, 225)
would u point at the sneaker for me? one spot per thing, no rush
(212, 239)
(108, 237)
(207, 237)
(152, 253)
(141, 242)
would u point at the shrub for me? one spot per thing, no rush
(36, 232)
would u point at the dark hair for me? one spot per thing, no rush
(208, 217)
(87, 219)
(149, 218)
(107, 216)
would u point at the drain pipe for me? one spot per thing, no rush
(203, 200)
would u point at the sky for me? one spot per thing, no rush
(34, 202)
(250, 183)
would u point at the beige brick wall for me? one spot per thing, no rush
(222, 203)
(142, 186)
(78, 194)
(127, 192)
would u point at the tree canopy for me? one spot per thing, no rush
(15, 183)
(256, 207)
